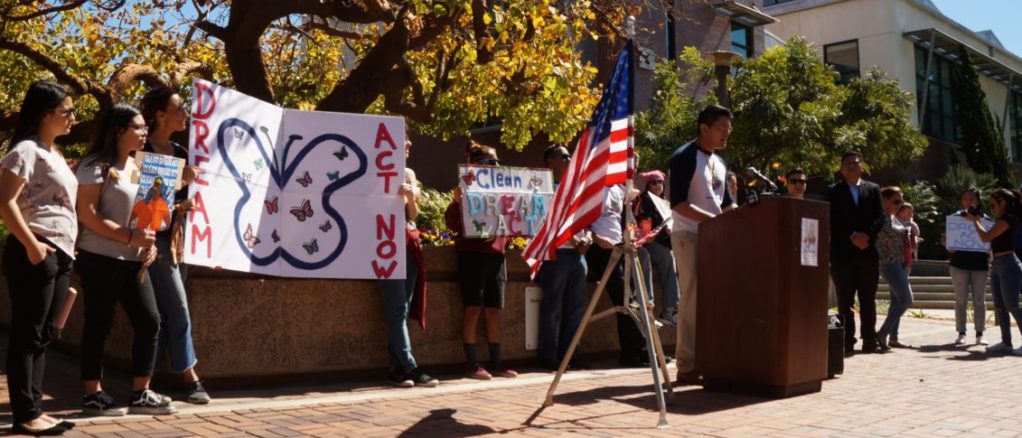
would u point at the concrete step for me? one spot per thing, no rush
(931, 292)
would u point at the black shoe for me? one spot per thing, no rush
(577, 364)
(633, 361)
(101, 404)
(549, 364)
(423, 379)
(197, 394)
(56, 429)
(399, 380)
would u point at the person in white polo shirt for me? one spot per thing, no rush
(698, 192)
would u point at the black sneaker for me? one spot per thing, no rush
(101, 404)
(422, 379)
(197, 395)
(399, 379)
(148, 402)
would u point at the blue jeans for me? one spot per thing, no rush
(654, 254)
(1006, 280)
(901, 297)
(564, 294)
(175, 322)
(397, 297)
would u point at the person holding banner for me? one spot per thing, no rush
(651, 210)
(969, 273)
(111, 262)
(894, 263)
(1006, 270)
(165, 114)
(399, 295)
(37, 203)
(482, 275)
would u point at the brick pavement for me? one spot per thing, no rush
(934, 390)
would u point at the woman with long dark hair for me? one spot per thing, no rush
(969, 273)
(165, 114)
(37, 202)
(111, 260)
(1005, 269)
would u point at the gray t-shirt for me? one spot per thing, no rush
(47, 201)
(115, 202)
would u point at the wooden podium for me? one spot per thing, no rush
(761, 325)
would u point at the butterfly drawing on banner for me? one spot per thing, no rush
(247, 177)
(305, 180)
(311, 247)
(479, 226)
(332, 176)
(535, 183)
(274, 236)
(304, 212)
(325, 227)
(239, 133)
(250, 238)
(469, 178)
(272, 206)
(342, 154)
(258, 164)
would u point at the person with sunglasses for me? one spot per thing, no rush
(890, 244)
(482, 276)
(1005, 268)
(657, 251)
(795, 182)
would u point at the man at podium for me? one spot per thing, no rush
(856, 217)
(697, 193)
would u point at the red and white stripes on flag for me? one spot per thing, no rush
(602, 158)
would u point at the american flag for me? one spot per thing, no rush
(601, 159)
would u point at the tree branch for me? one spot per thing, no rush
(129, 73)
(481, 32)
(67, 6)
(185, 69)
(79, 85)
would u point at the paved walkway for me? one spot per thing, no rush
(934, 390)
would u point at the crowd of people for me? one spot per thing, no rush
(58, 216)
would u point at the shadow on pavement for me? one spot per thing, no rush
(441, 422)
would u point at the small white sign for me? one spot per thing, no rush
(533, 297)
(962, 236)
(810, 242)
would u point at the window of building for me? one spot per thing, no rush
(939, 117)
(741, 40)
(844, 57)
(775, 2)
(1015, 116)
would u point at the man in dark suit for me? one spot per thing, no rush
(856, 216)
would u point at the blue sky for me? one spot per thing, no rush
(1001, 16)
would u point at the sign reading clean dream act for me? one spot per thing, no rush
(504, 201)
(294, 193)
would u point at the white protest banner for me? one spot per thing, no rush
(962, 236)
(504, 201)
(158, 177)
(294, 193)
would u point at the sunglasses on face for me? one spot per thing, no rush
(656, 182)
(487, 161)
(796, 181)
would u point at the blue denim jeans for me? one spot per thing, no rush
(564, 295)
(901, 298)
(175, 322)
(1006, 280)
(655, 255)
(397, 297)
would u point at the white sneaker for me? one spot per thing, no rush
(999, 347)
(1017, 351)
(961, 339)
(980, 341)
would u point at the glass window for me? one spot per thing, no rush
(775, 2)
(844, 57)
(939, 118)
(741, 40)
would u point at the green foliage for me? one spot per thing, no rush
(790, 110)
(950, 186)
(432, 205)
(928, 215)
(674, 107)
(982, 137)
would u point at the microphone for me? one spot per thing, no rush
(751, 172)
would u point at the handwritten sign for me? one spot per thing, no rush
(158, 177)
(962, 236)
(294, 193)
(810, 252)
(504, 201)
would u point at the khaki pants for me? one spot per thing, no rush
(683, 244)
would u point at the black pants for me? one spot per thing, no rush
(37, 294)
(628, 334)
(857, 276)
(106, 281)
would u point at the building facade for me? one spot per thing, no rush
(917, 45)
